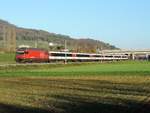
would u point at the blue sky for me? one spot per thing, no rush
(124, 23)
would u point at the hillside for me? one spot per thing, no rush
(40, 39)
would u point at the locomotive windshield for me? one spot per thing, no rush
(20, 52)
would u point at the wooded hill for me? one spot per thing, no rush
(41, 39)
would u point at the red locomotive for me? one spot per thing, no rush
(32, 55)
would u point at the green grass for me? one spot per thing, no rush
(6, 58)
(118, 87)
(86, 69)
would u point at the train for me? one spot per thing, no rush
(31, 55)
(41, 55)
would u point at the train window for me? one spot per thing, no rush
(108, 56)
(20, 52)
(69, 55)
(94, 56)
(97, 56)
(58, 54)
(61, 54)
(117, 56)
(124, 56)
(82, 55)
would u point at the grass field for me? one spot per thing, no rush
(87, 69)
(6, 58)
(119, 87)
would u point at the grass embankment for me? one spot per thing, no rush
(120, 87)
(6, 58)
(87, 69)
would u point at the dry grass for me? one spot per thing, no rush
(74, 94)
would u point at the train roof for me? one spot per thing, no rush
(23, 49)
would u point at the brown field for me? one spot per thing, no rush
(99, 94)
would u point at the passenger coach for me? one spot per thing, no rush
(70, 56)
